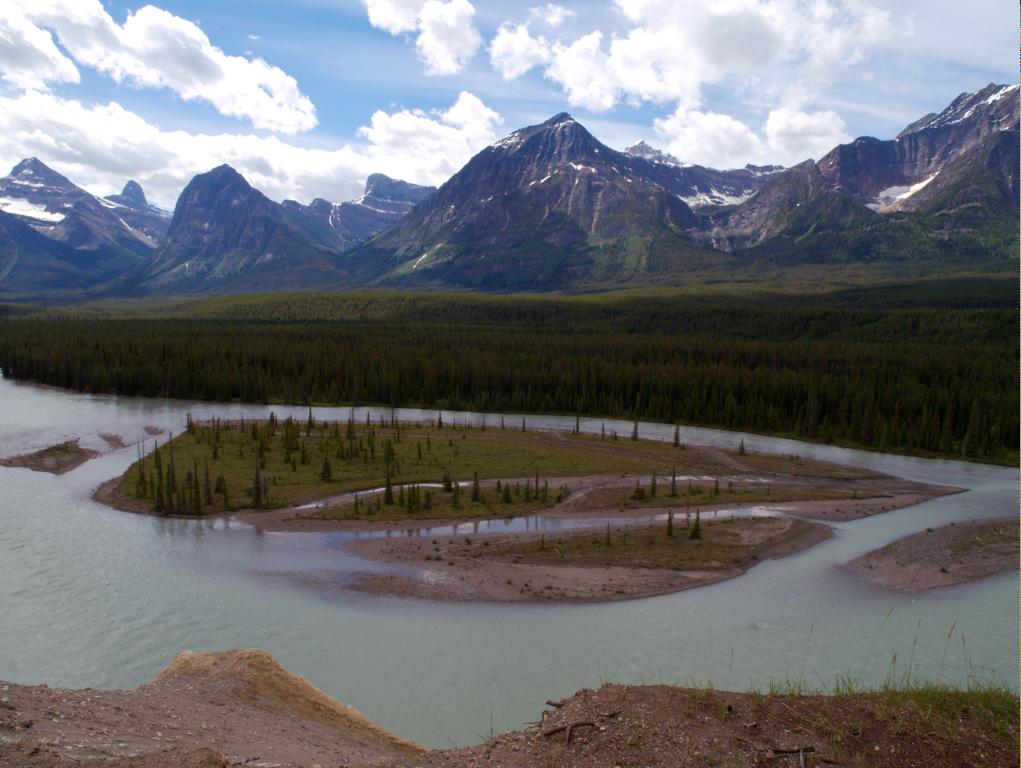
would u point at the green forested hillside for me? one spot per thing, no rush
(928, 368)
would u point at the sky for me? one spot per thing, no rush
(306, 98)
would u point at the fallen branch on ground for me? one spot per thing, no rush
(570, 729)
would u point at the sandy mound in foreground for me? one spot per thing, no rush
(206, 710)
(293, 693)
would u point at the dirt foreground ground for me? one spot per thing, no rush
(944, 557)
(205, 709)
(240, 708)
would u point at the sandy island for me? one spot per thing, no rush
(943, 557)
(580, 567)
(508, 567)
(114, 441)
(799, 496)
(491, 567)
(597, 496)
(241, 708)
(57, 459)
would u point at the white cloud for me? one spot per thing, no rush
(437, 144)
(795, 135)
(446, 37)
(154, 48)
(842, 34)
(581, 68)
(395, 16)
(783, 52)
(788, 136)
(708, 138)
(100, 146)
(514, 51)
(28, 56)
(674, 48)
(551, 14)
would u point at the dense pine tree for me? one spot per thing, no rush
(884, 373)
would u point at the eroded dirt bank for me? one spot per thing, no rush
(943, 557)
(241, 708)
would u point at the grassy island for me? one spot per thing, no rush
(379, 469)
(654, 513)
(413, 468)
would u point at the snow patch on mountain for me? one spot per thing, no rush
(18, 206)
(510, 141)
(653, 155)
(893, 195)
(714, 198)
(1004, 91)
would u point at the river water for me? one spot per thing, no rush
(90, 596)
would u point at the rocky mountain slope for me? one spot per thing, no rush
(55, 237)
(32, 264)
(385, 202)
(54, 206)
(795, 202)
(136, 211)
(947, 186)
(544, 207)
(549, 207)
(705, 189)
(224, 233)
(887, 175)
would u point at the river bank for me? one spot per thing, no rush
(213, 710)
(954, 554)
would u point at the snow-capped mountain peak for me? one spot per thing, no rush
(653, 155)
(54, 206)
(992, 104)
(31, 172)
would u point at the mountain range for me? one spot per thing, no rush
(548, 207)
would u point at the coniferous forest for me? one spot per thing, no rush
(929, 369)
